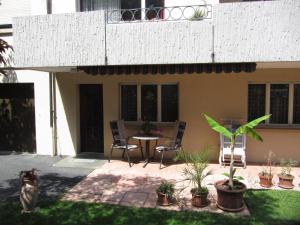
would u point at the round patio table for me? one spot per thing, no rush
(147, 139)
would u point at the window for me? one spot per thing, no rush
(91, 5)
(280, 100)
(149, 102)
(127, 10)
(256, 100)
(296, 113)
(129, 102)
(279, 103)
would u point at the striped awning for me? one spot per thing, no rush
(170, 69)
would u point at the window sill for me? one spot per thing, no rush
(139, 123)
(278, 126)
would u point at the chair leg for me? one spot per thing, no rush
(128, 158)
(154, 151)
(142, 152)
(162, 157)
(123, 153)
(111, 150)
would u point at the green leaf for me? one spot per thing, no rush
(257, 121)
(217, 127)
(247, 128)
(252, 133)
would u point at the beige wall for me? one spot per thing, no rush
(219, 95)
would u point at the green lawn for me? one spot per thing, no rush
(267, 207)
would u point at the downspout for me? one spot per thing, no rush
(53, 118)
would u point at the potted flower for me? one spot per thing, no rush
(285, 177)
(266, 175)
(195, 171)
(230, 191)
(165, 193)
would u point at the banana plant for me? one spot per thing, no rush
(247, 129)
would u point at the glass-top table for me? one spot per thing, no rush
(147, 139)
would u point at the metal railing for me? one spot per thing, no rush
(193, 12)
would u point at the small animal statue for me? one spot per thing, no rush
(28, 189)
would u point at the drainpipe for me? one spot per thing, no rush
(53, 124)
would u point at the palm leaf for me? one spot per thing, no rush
(217, 127)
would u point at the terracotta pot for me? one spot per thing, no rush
(286, 181)
(29, 190)
(163, 199)
(230, 200)
(265, 180)
(199, 200)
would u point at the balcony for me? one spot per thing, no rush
(267, 31)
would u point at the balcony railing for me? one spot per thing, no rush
(193, 12)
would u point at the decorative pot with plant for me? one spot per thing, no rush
(29, 189)
(195, 172)
(230, 192)
(165, 193)
(285, 177)
(147, 128)
(266, 175)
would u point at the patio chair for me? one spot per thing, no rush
(239, 151)
(120, 141)
(175, 142)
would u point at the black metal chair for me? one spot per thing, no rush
(120, 140)
(175, 142)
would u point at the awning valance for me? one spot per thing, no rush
(170, 69)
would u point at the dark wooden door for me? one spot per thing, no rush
(91, 118)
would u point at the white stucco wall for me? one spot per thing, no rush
(257, 31)
(42, 105)
(159, 42)
(243, 32)
(13, 8)
(60, 40)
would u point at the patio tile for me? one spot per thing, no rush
(150, 201)
(135, 198)
(117, 183)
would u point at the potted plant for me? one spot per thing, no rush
(285, 177)
(195, 172)
(147, 127)
(230, 191)
(266, 175)
(29, 189)
(165, 193)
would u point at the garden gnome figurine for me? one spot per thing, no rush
(28, 190)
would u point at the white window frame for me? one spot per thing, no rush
(139, 100)
(268, 100)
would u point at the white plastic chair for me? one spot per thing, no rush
(239, 151)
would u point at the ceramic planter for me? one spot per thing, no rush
(199, 200)
(163, 199)
(286, 181)
(265, 180)
(230, 200)
(29, 190)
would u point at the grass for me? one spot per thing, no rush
(266, 206)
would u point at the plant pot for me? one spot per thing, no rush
(29, 190)
(265, 180)
(230, 200)
(286, 181)
(163, 199)
(199, 200)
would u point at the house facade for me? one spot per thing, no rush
(96, 61)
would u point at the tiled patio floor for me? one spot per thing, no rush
(116, 183)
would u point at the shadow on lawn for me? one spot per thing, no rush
(51, 187)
